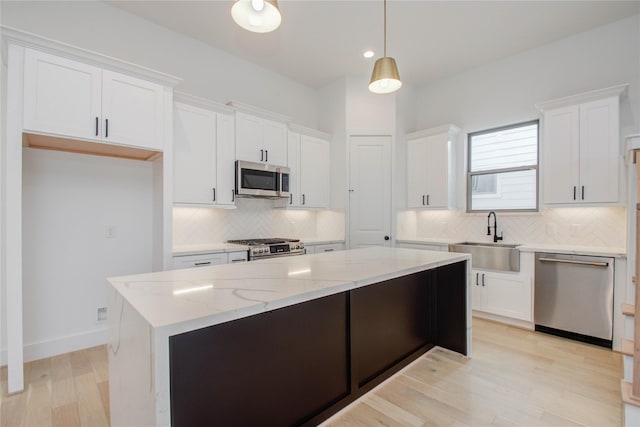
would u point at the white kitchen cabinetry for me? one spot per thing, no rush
(204, 260)
(502, 293)
(309, 170)
(442, 247)
(581, 148)
(203, 154)
(329, 247)
(260, 140)
(239, 256)
(430, 168)
(71, 99)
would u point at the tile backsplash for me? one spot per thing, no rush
(589, 226)
(253, 218)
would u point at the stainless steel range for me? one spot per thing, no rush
(271, 248)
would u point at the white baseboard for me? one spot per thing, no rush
(508, 320)
(60, 345)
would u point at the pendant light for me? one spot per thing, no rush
(258, 16)
(385, 77)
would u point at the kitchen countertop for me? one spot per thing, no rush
(535, 247)
(221, 293)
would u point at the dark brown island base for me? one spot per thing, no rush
(300, 364)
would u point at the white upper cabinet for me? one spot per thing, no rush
(68, 98)
(309, 164)
(203, 150)
(260, 140)
(581, 149)
(132, 111)
(430, 168)
(226, 153)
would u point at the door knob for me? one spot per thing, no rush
(386, 237)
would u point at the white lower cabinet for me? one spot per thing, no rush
(240, 256)
(203, 260)
(507, 294)
(329, 247)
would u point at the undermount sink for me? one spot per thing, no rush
(490, 256)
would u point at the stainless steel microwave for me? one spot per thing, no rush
(261, 180)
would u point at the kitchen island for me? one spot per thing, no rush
(283, 341)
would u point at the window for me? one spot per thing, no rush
(503, 169)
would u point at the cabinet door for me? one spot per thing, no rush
(331, 247)
(599, 151)
(477, 302)
(293, 154)
(61, 96)
(416, 173)
(506, 295)
(132, 111)
(314, 172)
(274, 142)
(225, 143)
(437, 171)
(239, 256)
(561, 155)
(194, 155)
(249, 138)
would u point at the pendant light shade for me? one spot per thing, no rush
(385, 77)
(258, 16)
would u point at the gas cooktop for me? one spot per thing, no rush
(270, 248)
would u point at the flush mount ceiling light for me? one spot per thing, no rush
(258, 16)
(385, 77)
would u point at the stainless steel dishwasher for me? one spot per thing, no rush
(574, 297)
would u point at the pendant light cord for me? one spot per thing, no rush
(385, 28)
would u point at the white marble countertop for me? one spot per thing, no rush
(221, 293)
(535, 247)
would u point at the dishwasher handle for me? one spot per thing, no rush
(572, 261)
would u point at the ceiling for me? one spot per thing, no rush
(320, 41)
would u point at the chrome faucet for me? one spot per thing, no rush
(495, 227)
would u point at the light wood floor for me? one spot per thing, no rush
(515, 378)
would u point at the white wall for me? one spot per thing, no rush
(504, 92)
(207, 72)
(68, 201)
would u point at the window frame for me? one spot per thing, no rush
(535, 167)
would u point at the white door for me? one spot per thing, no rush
(249, 138)
(437, 162)
(369, 191)
(561, 155)
(274, 139)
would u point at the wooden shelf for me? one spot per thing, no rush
(627, 347)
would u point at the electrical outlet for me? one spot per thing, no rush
(102, 314)
(110, 231)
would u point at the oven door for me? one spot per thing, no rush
(277, 255)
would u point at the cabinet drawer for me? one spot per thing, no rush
(240, 256)
(205, 260)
